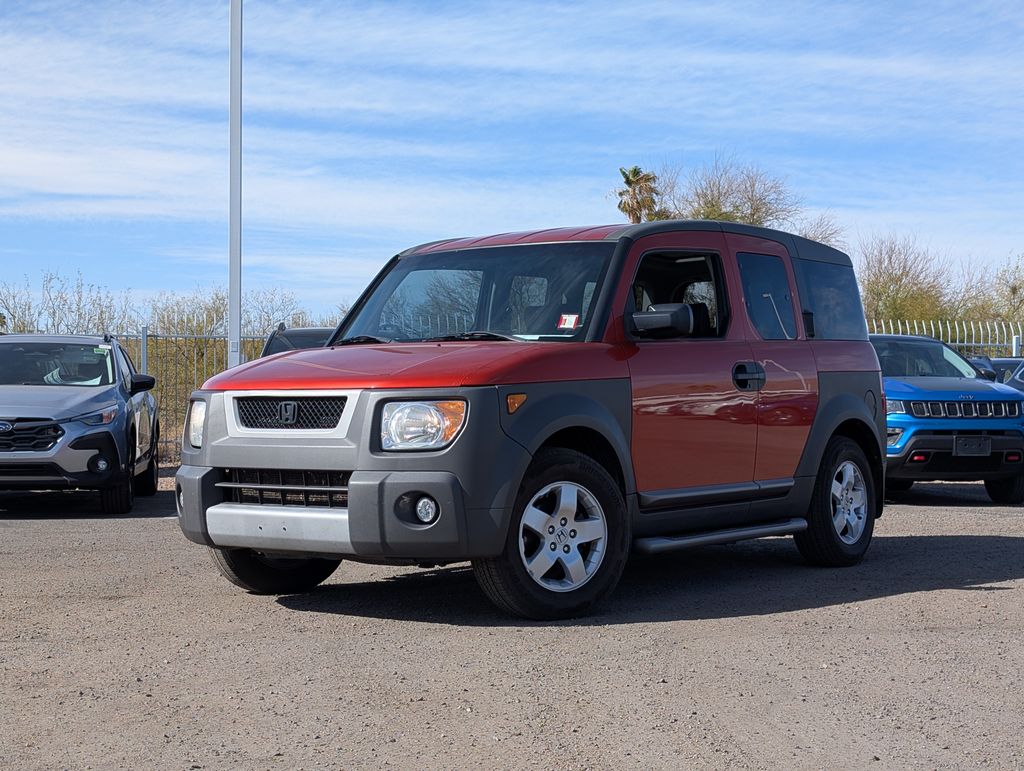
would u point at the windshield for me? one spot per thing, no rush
(532, 292)
(72, 364)
(921, 358)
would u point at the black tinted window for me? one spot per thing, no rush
(766, 295)
(830, 293)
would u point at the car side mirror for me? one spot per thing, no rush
(666, 320)
(988, 374)
(141, 383)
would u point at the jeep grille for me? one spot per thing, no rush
(965, 409)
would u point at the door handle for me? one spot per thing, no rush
(748, 376)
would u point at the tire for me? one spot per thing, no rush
(119, 498)
(898, 485)
(843, 508)
(575, 567)
(1009, 490)
(261, 574)
(146, 484)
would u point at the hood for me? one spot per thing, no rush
(948, 388)
(424, 365)
(53, 402)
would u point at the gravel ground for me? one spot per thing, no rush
(121, 648)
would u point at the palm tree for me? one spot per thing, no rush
(638, 197)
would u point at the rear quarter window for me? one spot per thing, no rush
(830, 292)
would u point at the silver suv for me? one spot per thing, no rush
(74, 413)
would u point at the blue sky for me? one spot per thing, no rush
(373, 126)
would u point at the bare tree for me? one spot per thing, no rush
(1007, 289)
(822, 228)
(724, 190)
(64, 305)
(900, 279)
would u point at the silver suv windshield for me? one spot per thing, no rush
(921, 358)
(57, 364)
(540, 292)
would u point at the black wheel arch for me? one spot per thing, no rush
(849, 406)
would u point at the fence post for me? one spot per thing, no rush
(1016, 345)
(144, 350)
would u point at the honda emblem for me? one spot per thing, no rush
(288, 413)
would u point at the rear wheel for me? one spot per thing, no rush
(567, 542)
(1008, 490)
(261, 574)
(843, 509)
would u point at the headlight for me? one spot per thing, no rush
(895, 405)
(196, 420)
(421, 425)
(101, 418)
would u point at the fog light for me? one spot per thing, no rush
(892, 436)
(102, 464)
(426, 509)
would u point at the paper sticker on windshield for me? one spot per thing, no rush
(101, 349)
(569, 321)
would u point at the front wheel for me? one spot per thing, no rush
(843, 508)
(1009, 490)
(119, 498)
(148, 482)
(262, 574)
(567, 542)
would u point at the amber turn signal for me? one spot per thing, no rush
(514, 402)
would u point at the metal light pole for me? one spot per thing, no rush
(235, 204)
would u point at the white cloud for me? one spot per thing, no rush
(389, 123)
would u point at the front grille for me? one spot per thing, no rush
(965, 409)
(31, 436)
(290, 412)
(281, 487)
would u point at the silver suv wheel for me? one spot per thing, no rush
(849, 502)
(562, 536)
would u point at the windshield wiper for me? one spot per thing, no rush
(475, 335)
(360, 340)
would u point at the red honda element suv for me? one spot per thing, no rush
(544, 404)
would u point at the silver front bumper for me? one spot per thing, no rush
(267, 528)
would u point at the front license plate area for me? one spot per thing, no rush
(973, 445)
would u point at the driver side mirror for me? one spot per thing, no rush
(141, 383)
(987, 372)
(665, 320)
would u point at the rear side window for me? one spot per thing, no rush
(766, 295)
(830, 292)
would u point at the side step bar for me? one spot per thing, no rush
(661, 543)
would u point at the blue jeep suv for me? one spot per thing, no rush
(947, 422)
